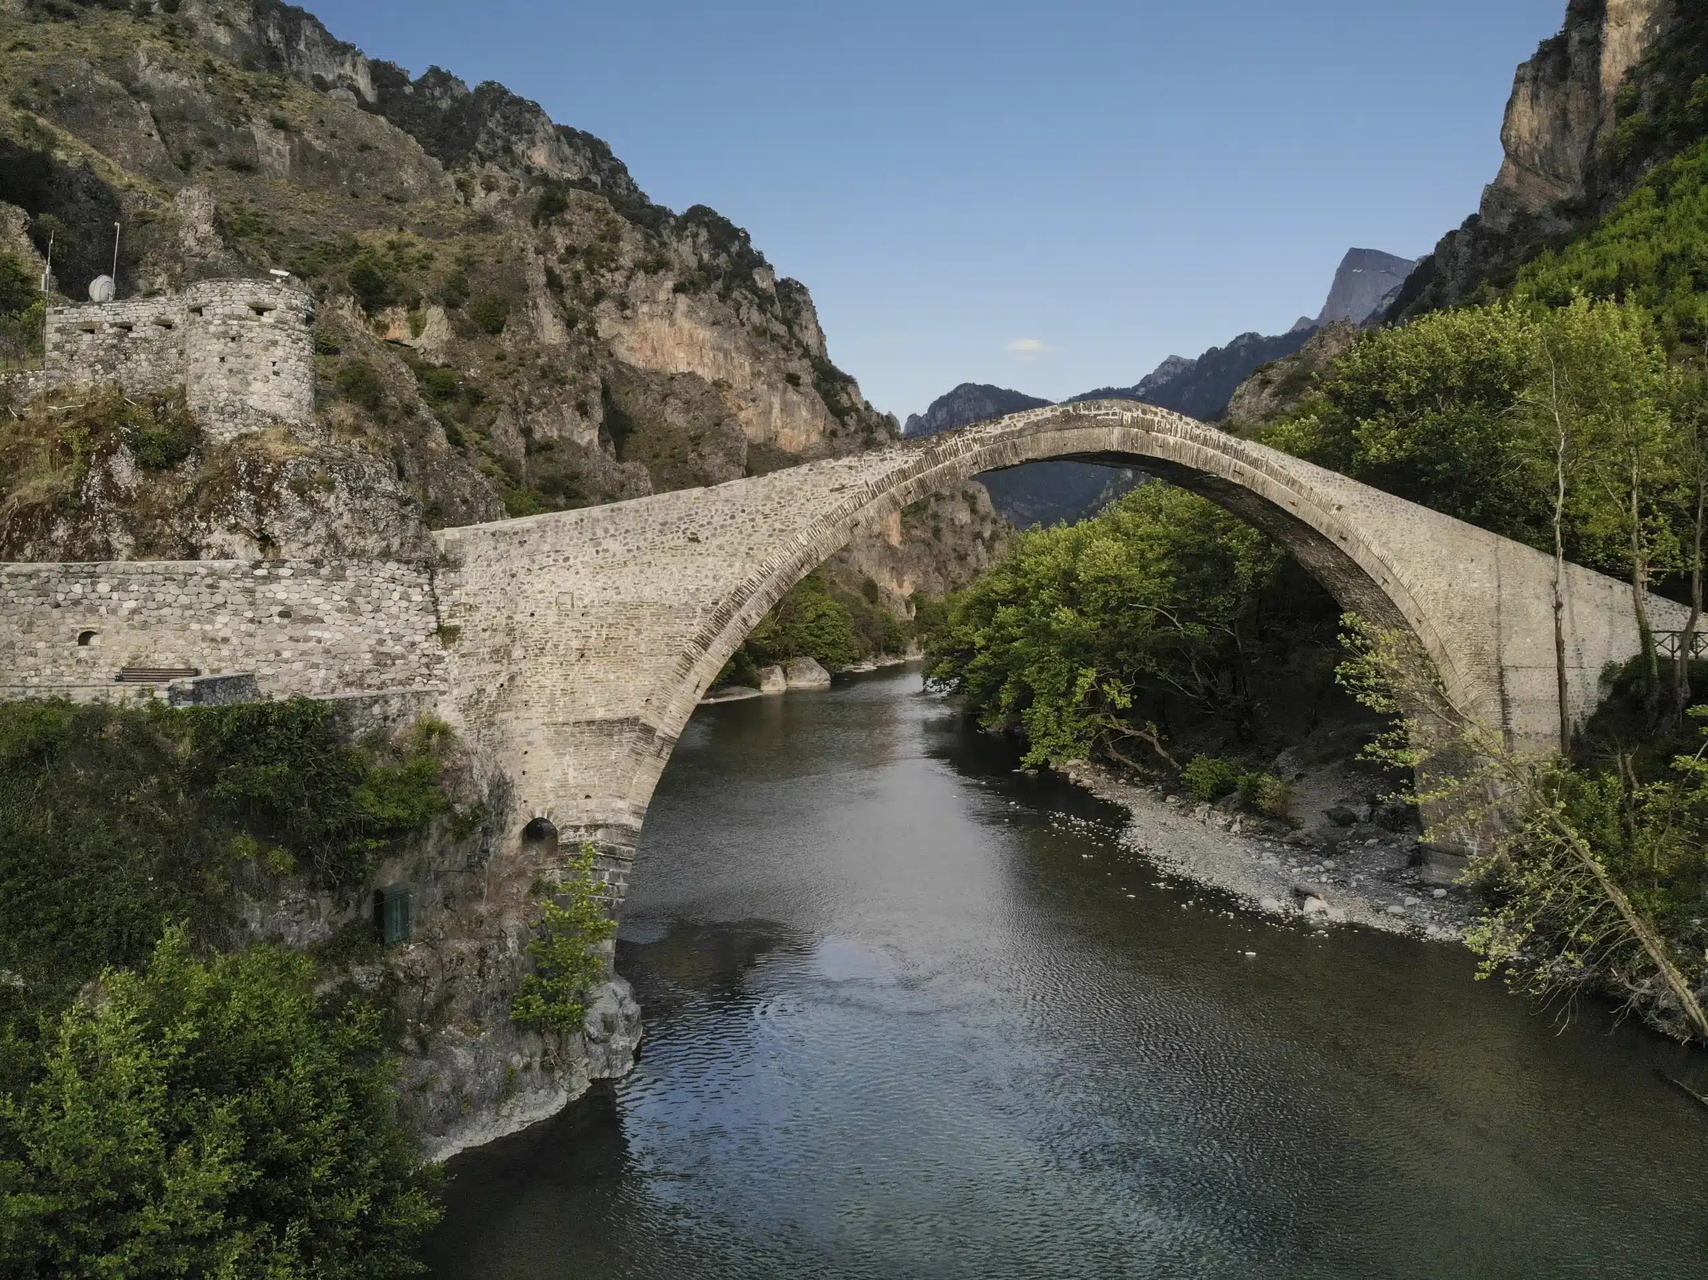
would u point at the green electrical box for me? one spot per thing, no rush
(391, 913)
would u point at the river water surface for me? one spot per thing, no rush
(910, 1013)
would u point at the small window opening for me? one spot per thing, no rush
(391, 914)
(260, 309)
(85, 639)
(196, 311)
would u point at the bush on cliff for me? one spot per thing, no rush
(209, 1117)
(1651, 250)
(566, 953)
(117, 821)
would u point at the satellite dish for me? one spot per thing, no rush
(101, 289)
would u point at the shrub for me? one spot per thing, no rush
(209, 1118)
(19, 288)
(455, 291)
(489, 313)
(373, 284)
(116, 821)
(1210, 778)
(553, 203)
(808, 622)
(360, 383)
(1265, 794)
(566, 955)
(740, 670)
(163, 433)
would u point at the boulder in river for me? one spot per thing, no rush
(806, 673)
(773, 681)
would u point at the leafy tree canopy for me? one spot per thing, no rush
(1077, 634)
(208, 1118)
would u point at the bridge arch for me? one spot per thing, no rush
(594, 634)
(1282, 496)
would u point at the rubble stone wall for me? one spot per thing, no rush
(243, 350)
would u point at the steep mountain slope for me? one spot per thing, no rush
(1364, 280)
(1042, 493)
(507, 323)
(1603, 101)
(1273, 390)
(1200, 388)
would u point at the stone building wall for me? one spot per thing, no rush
(242, 349)
(301, 627)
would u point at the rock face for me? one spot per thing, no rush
(1563, 112)
(805, 673)
(937, 544)
(507, 323)
(506, 1079)
(1365, 278)
(1275, 389)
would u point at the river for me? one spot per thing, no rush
(912, 1014)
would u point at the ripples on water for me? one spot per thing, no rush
(910, 1014)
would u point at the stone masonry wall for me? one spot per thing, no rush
(302, 627)
(242, 349)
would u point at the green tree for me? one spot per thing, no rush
(1594, 879)
(209, 1118)
(567, 957)
(1615, 382)
(1081, 632)
(811, 622)
(1433, 412)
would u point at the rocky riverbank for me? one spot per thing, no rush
(797, 674)
(1358, 874)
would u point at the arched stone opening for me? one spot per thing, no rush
(540, 837)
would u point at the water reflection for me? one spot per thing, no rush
(904, 1019)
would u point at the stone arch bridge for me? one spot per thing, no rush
(589, 637)
(571, 648)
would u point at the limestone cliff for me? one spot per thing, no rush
(1275, 389)
(507, 323)
(1564, 163)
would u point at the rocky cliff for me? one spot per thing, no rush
(507, 322)
(1275, 390)
(1577, 135)
(1365, 281)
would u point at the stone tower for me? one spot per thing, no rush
(243, 350)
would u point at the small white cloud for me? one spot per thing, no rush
(1028, 349)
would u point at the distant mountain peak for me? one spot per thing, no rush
(969, 403)
(1365, 278)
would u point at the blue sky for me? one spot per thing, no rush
(1048, 197)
